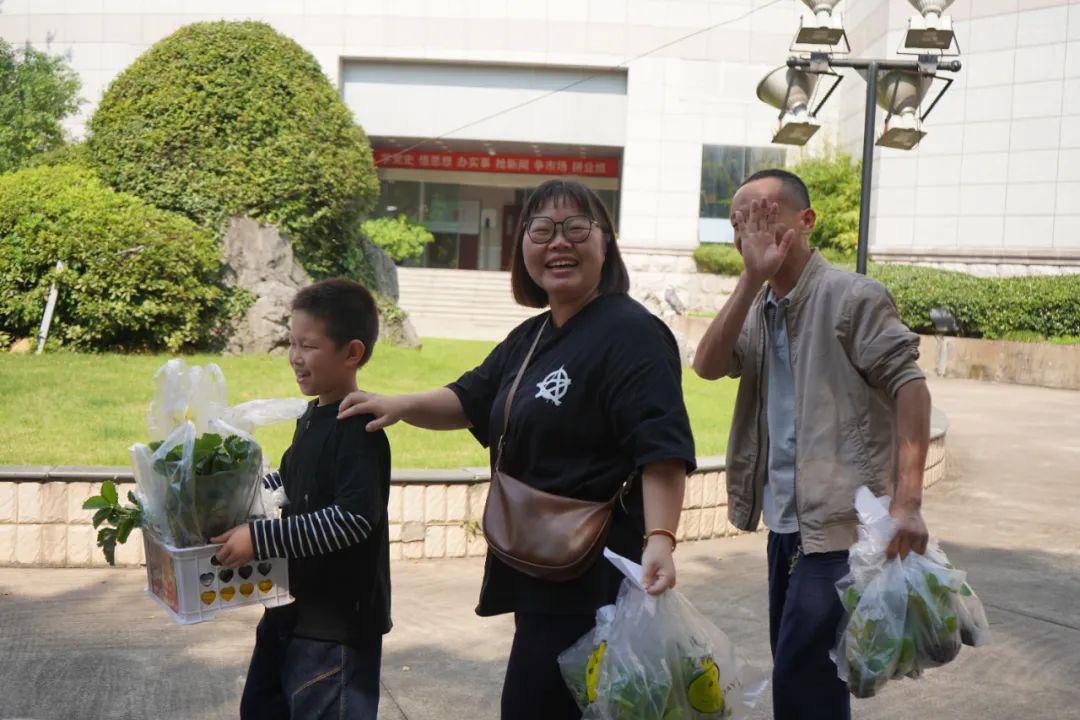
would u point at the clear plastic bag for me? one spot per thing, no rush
(628, 686)
(580, 663)
(201, 473)
(709, 681)
(974, 627)
(663, 660)
(870, 641)
(198, 394)
(932, 623)
(903, 616)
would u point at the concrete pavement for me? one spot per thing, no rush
(87, 644)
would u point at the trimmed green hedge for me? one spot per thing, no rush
(233, 118)
(719, 259)
(994, 308)
(985, 307)
(135, 277)
(724, 259)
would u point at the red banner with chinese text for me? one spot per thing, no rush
(499, 163)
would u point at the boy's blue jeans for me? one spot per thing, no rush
(303, 679)
(804, 615)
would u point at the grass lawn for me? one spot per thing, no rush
(74, 409)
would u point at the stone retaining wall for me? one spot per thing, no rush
(1021, 363)
(433, 513)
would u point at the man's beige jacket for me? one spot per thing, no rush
(850, 354)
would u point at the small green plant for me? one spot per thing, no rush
(119, 519)
(212, 486)
(1025, 336)
(210, 453)
(402, 240)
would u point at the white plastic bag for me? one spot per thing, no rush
(197, 394)
(185, 394)
(200, 474)
(663, 660)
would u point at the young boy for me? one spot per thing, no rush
(319, 657)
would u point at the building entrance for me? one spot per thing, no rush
(470, 201)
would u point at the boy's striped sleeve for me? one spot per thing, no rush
(272, 480)
(315, 533)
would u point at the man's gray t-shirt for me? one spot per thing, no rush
(779, 507)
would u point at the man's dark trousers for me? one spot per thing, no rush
(804, 615)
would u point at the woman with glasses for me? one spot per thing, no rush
(600, 400)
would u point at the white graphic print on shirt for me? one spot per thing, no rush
(554, 386)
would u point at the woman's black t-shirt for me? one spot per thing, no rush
(600, 399)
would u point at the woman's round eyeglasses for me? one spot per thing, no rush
(576, 228)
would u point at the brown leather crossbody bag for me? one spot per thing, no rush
(546, 536)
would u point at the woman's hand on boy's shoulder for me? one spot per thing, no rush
(387, 409)
(237, 548)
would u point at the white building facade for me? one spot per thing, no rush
(471, 103)
(994, 187)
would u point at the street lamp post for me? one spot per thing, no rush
(925, 63)
(899, 86)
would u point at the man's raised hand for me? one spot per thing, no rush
(764, 241)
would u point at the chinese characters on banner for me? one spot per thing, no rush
(500, 163)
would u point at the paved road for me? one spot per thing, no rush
(86, 644)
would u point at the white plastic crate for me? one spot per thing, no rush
(192, 589)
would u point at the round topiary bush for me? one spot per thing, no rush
(134, 278)
(233, 118)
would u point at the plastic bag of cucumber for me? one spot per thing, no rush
(657, 658)
(904, 616)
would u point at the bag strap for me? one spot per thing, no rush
(513, 391)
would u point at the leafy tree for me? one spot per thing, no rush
(37, 91)
(834, 183)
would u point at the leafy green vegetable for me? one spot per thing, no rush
(930, 637)
(209, 491)
(121, 519)
(633, 697)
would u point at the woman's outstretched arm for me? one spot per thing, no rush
(438, 409)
